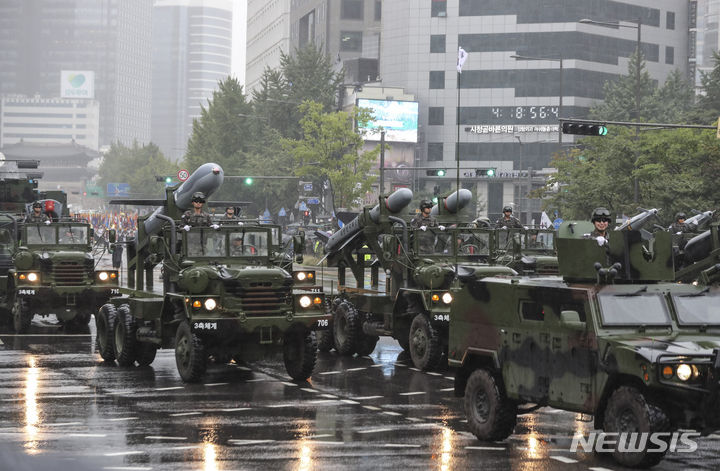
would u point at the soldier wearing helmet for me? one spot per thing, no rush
(601, 220)
(36, 215)
(424, 219)
(508, 220)
(196, 216)
(229, 214)
(679, 225)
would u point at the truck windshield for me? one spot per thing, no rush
(472, 243)
(698, 309)
(645, 309)
(249, 244)
(206, 243)
(40, 234)
(71, 235)
(538, 240)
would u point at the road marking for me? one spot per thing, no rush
(324, 435)
(126, 468)
(714, 436)
(326, 442)
(287, 383)
(237, 409)
(391, 413)
(87, 435)
(248, 442)
(379, 365)
(451, 378)
(124, 453)
(322, 401)
(366, 398)
(348, 401)
(446, 389)
(434, 374)
(563, 459)
(309, 390)
(277, 406)
(209, 385)
(371, 408)
(415, 369)
(375, 430)
(63, 424)
(160, 437)
(182, 414)
(330, 373)
(486, 448)
(244, 368)
(357, 369)
(600, 469)
(257, 380)
(123, 418)
(401, 445)
(329, 396)
(413, 419)
(170, 389)
(414, 393)
(400, 364)
(1, 342)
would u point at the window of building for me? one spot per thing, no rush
(437, 79)
(307, 29)
(378, 10)
(670, 20)
(351, 9)
(435, 151)
(438, 8)
(437, 43)
(436, 115)
(351, 41)
(669, 55)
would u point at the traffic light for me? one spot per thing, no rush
(485, 172)
(248, 181)
(436, 172)
(435, 200)
(586, 129)
(166, 180)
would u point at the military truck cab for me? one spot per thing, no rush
(616, 338)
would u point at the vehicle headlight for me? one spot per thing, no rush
(447, 298)
(683, 372)
(103, 276)
(32, 277)
(300, 276)
(305, 301)
(210, 304)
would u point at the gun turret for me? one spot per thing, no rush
(453, 203)
(395, 203)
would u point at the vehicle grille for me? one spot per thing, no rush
(261, 298)
(69, 274)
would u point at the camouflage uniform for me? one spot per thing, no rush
(510, 223)
(595, 234)
(227, 217)
(32, 217)
(678, 227)
(420, 220)
(189, 218)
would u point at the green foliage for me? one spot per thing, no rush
(138, 166)
(708, 107)
(330, 148)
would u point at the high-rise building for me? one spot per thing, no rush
(192, 52)
(509, 106)
(268, 33)
(45, 42)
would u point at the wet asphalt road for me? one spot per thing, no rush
(62, 408)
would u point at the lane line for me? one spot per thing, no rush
(326, 442)
(248, 442)
(330, 373)
(446, 389)
(287, 383)
(486, 448)
(87, 435)
(375, 430)
(310, 390)
(414, 393)
(169, 389)
(348, 401)
(401, 445)
(329, 396)
(63, 424)
(367, 398)
(563, 459)
(182, 414)
(451, 378)
(434, 374)
(357, 369)
(124, 453)
(122, 419)
(371, 408)
(209, 385)
(387, 412)
(161, 437)
(237, 409)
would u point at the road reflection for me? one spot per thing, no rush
(32, 411)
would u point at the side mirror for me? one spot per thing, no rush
(112, 236)
(571, 319)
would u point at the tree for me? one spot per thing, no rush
(708, 103)
(331, 148)
(137, 166)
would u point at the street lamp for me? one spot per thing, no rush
(560, 82)
(638, 26)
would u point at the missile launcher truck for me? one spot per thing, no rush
(420, 267)
(45, 267)
(616, 338)
(228, 292)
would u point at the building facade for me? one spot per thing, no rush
(509, 108)
(39, 39)
(192, 52)
(268, 33)
(49, 120)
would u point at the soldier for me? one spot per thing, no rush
(679, 225)
(508, 220)
(229, 214)
(196, 216)
(424, 219)
(37, 215)
(601, 220)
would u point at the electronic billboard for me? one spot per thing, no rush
(399, 119)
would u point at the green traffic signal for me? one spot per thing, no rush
(441, 173)
(585, 129)
(248, 181)
(168, 179)
(435, 199)
(490, 172)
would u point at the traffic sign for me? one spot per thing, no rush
(557, 222)
(303, 206)
(282, 212)
(118, 189)
(183, 175)
(313, 201)
(307, 186)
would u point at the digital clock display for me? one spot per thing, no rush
(524, 113)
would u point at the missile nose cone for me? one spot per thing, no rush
(216, 170)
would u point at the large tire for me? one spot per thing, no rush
(190, 356)
(22, 317)
(425, 345)
(346, 328)
(490, 414)
(366, 345)
(324, 340)
(145, 353)
(629, 411)
(125, 337)
(300, 354)
(105, 328)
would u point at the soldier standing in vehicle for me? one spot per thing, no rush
(196, 216)
(601, 220)
(679, 225)
(229, 214)
(37, 215)
(424, 219)
(508, 220)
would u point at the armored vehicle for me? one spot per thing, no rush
(529, 251)
(54, 272)
(228, 292)
(615, 338)
(420, 264)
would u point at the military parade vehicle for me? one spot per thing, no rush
(420, 264)
(529, 251)
(615, 338)
(45, 267)
(228, 292)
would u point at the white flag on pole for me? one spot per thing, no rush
(545, 221)
(462, 56)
